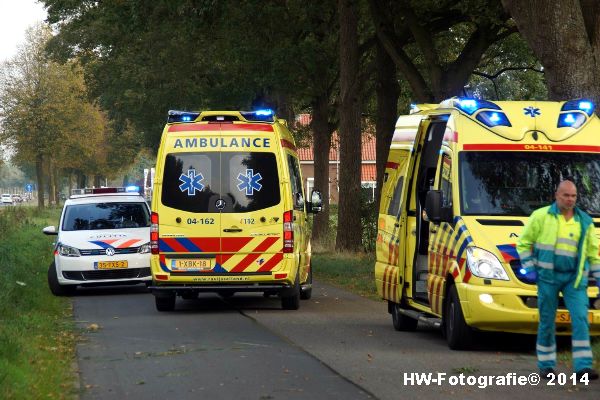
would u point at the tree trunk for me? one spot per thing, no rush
(321, 146)
(388, 91)
(349, 231)
(39, 172)
(563, 35)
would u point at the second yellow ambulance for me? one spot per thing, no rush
(461, 180)
(229, 213)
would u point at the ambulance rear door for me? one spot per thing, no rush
(251, 200)
(190, 223)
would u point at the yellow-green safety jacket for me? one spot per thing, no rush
(537, 245)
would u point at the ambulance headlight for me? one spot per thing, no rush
(67, 251)
(484, 264)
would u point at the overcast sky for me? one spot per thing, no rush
(15, 17)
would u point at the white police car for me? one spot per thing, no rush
(103, 239)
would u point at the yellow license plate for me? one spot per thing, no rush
(565, 317)
(196, 264)
(112, 264)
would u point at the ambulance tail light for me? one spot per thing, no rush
(154, 233)
(288, 232)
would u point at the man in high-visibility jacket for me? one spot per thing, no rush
(559, 248)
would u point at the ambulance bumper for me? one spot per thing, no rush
(167, 290)
(503, 309)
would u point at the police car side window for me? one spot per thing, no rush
(296, 182)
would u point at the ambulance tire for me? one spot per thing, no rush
(165, 303)
(306, 294)
(291, 299)
(458, 333)
(56, 288)
(401, 322)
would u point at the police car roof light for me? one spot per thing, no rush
(584, 105)
(103, 190)
(182, 116)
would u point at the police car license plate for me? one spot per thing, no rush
(565, 317)
(192, 264)
(110, 265)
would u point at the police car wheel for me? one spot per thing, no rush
(402, 322)
(166, 303)
(458, 333)
(306, 294)
(291, 300)
(55, 287)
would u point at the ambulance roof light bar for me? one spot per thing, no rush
(574, 113)
(182, 116)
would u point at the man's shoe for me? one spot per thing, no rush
(547, 373)
(592, 375)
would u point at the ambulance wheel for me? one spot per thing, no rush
(402, 322)
(166, 303)
(290, 299)
(55, 287)
(306, 294)
(458, 333)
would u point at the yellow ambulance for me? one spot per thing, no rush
(229, 212)
(461, 179)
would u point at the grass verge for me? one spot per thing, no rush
(37, 340)
(353, 272)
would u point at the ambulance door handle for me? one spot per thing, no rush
(232, 230)
(414, 232)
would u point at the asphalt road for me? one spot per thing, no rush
(338, 345)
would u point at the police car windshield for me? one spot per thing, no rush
(97, 216)
(228, 182)
(517, 183)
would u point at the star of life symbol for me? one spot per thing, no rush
(532, 111)
(191, 182)
(249, 182)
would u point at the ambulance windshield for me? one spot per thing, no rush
(227, 182)
(517, 183)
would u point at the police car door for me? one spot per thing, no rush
(251, 202)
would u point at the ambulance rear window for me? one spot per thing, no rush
(245, 181)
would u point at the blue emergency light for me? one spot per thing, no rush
(265, 115)
(571, 120)
(579, 105)
(469, 106)
(493, 118)
(132, 188)
(182, 116)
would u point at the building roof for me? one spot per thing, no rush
(307, 153)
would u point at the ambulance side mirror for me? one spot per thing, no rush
(434, 207)
(316, 202)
